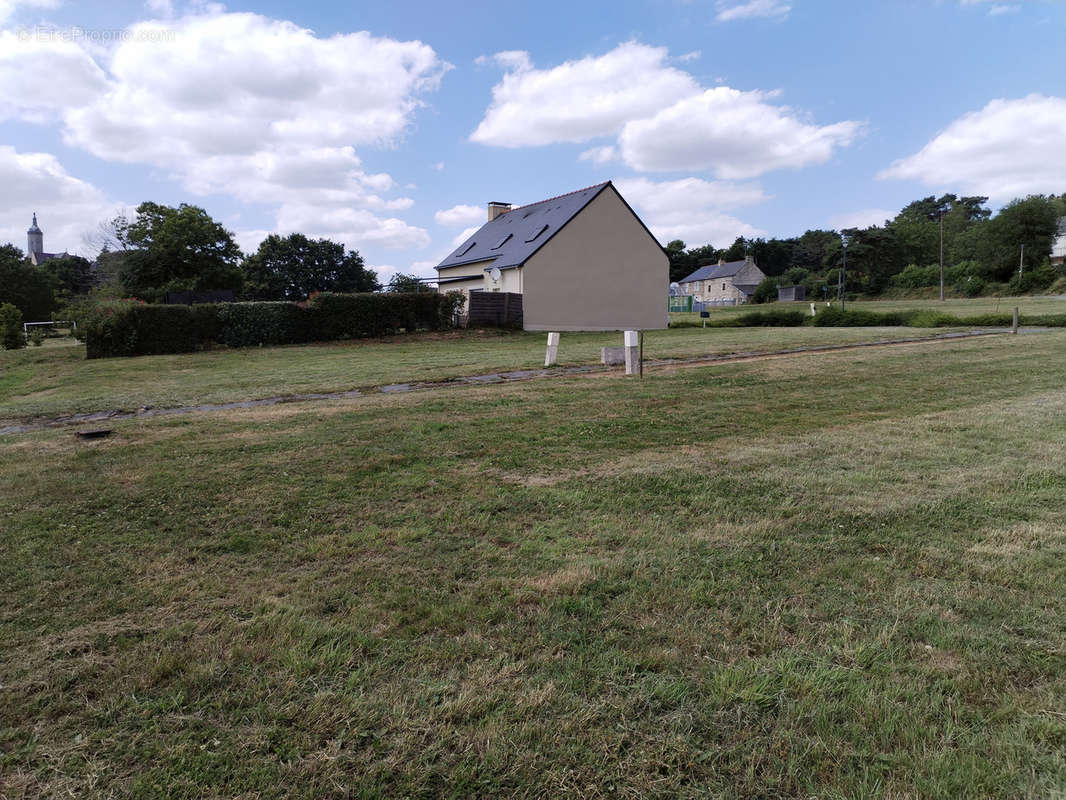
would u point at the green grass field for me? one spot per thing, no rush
(836, 576)
(56, 380)
(960, 307)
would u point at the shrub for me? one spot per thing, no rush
(1033, 280)
(834, 317)
(128, 328)
(766, 291)
(771, 318)
(252, 324)
(11, 335)
(36, 337)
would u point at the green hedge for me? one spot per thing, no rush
(131, 328)
(771, 318)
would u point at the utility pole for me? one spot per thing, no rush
(941, 255)
(844, 270)
(1021, 261)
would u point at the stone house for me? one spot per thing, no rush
(724, 282)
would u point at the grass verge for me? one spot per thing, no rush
(838, 576)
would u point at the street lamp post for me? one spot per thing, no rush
(941, 254)
(844, 270)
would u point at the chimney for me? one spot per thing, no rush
(496, 209)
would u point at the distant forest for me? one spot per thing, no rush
(983, 254)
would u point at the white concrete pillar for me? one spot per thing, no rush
(632, 346)
(552, 356)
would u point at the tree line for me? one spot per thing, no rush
(1005, 253)
(165, 249)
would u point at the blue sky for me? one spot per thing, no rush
(389, 126)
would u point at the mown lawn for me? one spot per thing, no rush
(56, 380)
(832, 576)
(959, 307)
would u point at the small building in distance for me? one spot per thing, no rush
(725, 282)
(35, 245)
(581, 261)
(788, 293)
(1058, 246)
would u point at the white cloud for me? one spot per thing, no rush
(1008, 149)
(663, 118)
(8, 7)
(996, 8)
(736, 134)
(244, 105)
(460, 215)
(861, 219)
(164, 8)
(249, 240)
(460, 238)
(424, 269)
(68, 76)
(691, 56)
(600, 155)
(692, 209)
(774, 9)
(579, 100)
(67, 208)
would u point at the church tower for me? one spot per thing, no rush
(34, 238)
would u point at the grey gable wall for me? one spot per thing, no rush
(602, 272)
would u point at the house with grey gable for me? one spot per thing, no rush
(581, 261)
(725, 282)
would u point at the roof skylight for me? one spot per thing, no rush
(537, 233)
(502, 242)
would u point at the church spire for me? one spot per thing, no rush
(34, 240)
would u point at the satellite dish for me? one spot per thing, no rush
(675, 285)
(494, 273)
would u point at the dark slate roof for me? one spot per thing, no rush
(513, 237)
(712, 271)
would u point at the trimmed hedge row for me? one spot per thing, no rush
(134, 329)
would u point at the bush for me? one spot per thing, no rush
(766, 291)
(37, 337)
(11, 334)
(253, 324)
(834, 317)
(772, 318)
(130, 327)
(1032, 281)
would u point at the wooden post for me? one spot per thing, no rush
(1014, 325)
(632, 346)
(553, 350)
(641, 354)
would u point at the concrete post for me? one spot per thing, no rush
(632, 346)
(1014, 324)
(552, 356)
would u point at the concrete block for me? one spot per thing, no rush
(612, 356)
